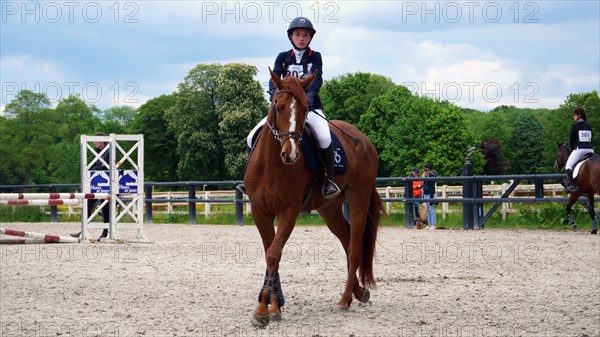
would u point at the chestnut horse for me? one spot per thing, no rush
(588, 183)
(278, 182)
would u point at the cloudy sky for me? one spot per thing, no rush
(477, 54)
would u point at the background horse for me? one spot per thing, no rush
(278, 183)
(588, 183)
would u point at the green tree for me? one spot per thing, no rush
(74, 118)
(526, 145)
(241, 105)
(195, 123)
(411, 130)
(29, 137)
(27, 101)
(160, 144)
(379, 117)
(118, 119)
(215, 108)
(349, 96)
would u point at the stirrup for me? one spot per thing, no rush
(330, 189)
(571, 188)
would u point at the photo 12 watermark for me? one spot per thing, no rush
(465, 329)
(268, 11)
(472, 91)
(91, 92)
(71, 328)
(68, 253)
(468, 252)
(52, 12)
(454, 12)
(216, 329)
(218, 253)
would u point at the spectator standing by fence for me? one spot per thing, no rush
(417, 191)
(429, 193)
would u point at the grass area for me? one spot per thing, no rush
(547, 216)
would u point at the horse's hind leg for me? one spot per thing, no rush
(337, 224)
(592, 213)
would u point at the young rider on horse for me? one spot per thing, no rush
(581, 144)
(301, 61)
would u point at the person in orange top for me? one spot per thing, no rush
(417, 187)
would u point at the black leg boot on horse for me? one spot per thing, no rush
(571, 186)
(330, 189)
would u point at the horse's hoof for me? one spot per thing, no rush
(594, 231)
(366, 296)
(260, 321)
(342, 305)
(575, 227)
(275, 316)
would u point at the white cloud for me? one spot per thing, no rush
(26, 72)
(558, 53)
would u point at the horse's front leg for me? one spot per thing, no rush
(572, 199)
(271, 297)
(264, 224)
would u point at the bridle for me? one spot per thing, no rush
(560, 156)
(275, 129)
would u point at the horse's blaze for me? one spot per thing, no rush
(290, 150)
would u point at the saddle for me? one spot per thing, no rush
(313, 161)
(580, 163)
(312, 156)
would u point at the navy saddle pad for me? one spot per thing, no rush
(312, 159)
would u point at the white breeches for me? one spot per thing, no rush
(318, 123)
(575, 156)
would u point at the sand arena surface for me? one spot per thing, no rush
(201, 280)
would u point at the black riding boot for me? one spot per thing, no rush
(571, 187)
(242, 187)
(330, 189)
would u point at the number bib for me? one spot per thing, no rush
(297, 70)
(585, 136)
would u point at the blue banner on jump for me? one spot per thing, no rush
(100, 181)
(128, 181)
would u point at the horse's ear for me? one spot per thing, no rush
(276, 79)
(558, 143)
(305, 83)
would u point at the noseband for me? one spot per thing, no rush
(275, 129)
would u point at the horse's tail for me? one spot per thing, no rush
(376, 209)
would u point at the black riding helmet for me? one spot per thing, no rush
(300, 22)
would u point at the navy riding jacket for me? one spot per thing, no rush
(581, 135)
(285, 64)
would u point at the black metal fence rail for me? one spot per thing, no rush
(472, 194)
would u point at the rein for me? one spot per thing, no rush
(275, 129)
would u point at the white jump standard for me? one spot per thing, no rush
(124, 187)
